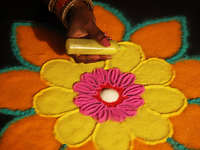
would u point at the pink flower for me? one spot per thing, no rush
(94, 89)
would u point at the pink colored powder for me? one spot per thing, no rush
(90, 102)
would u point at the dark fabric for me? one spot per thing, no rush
(136, 11)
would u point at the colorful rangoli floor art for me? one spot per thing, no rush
(143, 98)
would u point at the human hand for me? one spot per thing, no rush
(82, 24)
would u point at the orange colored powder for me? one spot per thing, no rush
(30, 133)
(17, 89)
(141, 146)
(187, 127)
(161, 40)
(187, 78)
(38, 45)
(107, 22)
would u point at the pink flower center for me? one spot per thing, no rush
(108, 95)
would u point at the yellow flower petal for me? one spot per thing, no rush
(164, 99)
(153, 71)
(111, 136)
(74, 128)
(91, 66)
(54, 101)
(130, 56)
(149, 126)
(61, 73)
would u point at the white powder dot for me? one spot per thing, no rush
(109, 95)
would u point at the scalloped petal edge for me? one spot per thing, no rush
(18, 115)
(15, 48)
(184, 42)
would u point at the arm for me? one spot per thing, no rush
(82, 24)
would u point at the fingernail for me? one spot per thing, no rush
(106, 42)
(95, 59)
(108, 58)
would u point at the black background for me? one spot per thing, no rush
(136, 11)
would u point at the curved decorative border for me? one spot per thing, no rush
(15, 47)
(176, 145)
(194, 101)
(15, 68)
(155, 21)
(18, 115)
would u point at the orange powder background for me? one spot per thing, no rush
(161, 40)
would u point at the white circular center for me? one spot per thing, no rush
(109, 95)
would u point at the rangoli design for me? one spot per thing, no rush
(143, 98)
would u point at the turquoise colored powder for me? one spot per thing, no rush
(176, 145)
(63, 147)
(18, 115)
(194, 101)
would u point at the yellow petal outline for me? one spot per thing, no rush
(91, 66)
(145, 126)
(103, 138)
(74, 121)
(61, 73)
(128, 58)
(54, 101)
(154, 71)
(164, 100)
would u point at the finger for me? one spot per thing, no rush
(93, 57)
(95, 33)
(79, 58)
(75, 33)
(105, 33)
(86, 58)
(105, 57)
(109, 38)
